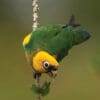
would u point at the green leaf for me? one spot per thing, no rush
(43, 90)
(36, 89)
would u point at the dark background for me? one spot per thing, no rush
(78, 77)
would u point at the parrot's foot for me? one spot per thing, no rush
(36, 74)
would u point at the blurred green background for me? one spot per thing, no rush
(78, 77)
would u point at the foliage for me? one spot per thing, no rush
(96, 62)
(43, 90)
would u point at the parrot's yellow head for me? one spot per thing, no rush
(43, 62)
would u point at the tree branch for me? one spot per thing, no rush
(35, 14)
(34, 27)
(37, 83)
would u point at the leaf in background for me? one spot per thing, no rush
(45, 88)
(36, 89)
(96, 63)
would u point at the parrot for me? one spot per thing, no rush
(46, 46)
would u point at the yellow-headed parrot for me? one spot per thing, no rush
(48, 45)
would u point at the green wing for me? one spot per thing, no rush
(55, 39)
(51, 38)
(60, 44)
(40, 38)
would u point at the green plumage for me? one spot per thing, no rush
(55, 39)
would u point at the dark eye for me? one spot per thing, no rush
(46, 64)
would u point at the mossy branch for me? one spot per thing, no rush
(36, 88)
(37, 84)
(35, 14)
(34, 27)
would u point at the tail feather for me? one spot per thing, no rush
(84, 33)
(80, 36)
(72, 22)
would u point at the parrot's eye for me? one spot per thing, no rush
(46, 65)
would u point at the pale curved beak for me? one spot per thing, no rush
(53, 73)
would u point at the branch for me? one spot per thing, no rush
(34, 27)
(45, 88)
(37, 84)
(35, 14)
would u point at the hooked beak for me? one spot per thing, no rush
(53, 72)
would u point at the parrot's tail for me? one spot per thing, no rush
(80, 36)
(71, 22)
